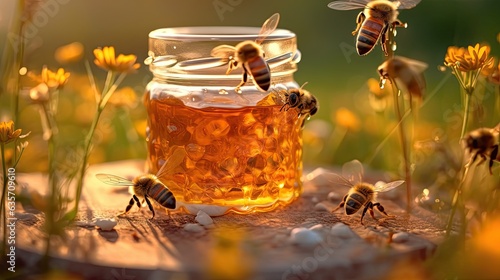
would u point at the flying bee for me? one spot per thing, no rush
(361, 194)
(407, 71)
(250, 56)
(374, 21)
(301, 99)
(149, 186)
(484, 142)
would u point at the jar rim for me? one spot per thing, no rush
(229, 33)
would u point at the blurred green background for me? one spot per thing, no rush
(334, 72)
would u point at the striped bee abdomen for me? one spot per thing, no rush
(162, 195)
(260, 72)
(354, 202)
(368, 35)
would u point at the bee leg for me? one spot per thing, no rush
(233, 64)
(131, 204)
(368, 206)
(341, 204)
(359, 21)
(243, 80)
(383, 39)
(150, 206)
(493, 155)
(381, 209)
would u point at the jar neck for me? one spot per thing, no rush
(183, 55)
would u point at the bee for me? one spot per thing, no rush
(300, 99)
(484, 142)
(149, 186)
(374, 21)
(406, 70)
(250, 56)
(361, 194)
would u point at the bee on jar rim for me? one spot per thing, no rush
(250, 56)
(374, 21)
(301, 99)
(361, 194)
(149, 186)
(484, 142)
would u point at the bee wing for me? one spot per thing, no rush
(113, 180)
(268, 27)
(415, 65)
(339, 180)
(223, 51)
(407, 4)
(172, 162)
(384, 187)
(344, 5)
(353, 171)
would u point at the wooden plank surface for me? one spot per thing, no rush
(255, 246)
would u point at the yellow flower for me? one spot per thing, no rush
(124, 97)
(69, 53)
(374, 87)
(472, 58)
(495, 76)
(54, 80)
(7, 132)
(347, 119)
(40, 93)
(105, 58)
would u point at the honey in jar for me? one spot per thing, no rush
(243, 149)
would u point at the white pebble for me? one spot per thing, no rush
(193, 228)
(400, 237)
(203, 219)
(342, 231)
(106, 224)
(334, 196)
(305, 237)
(314, 199)
(321, 207)
(318, 227)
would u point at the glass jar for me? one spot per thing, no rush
(243, 151)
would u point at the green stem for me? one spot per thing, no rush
(109, 88)
(2, 205)
(404, 145)
(86, 153)
(51, 128)
(466, 114)
(454, 203)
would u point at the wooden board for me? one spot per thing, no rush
(255, 246)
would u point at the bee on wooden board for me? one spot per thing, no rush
(361, 195)
(374, 22)
(250, 56)
(149, 187)
(484, 142)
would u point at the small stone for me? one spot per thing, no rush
(304, 237)
(318, 227)
(314, 199)
(334, 196)
(400, 237)
(106, 224)
(321, 207)
(193, 228)
(203, 219)
(342, 231)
